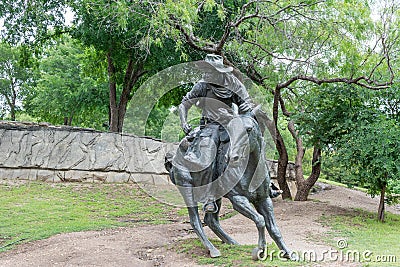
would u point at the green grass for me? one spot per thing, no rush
(365, 237)
(35, 210)
(232, 255)
(364, 234)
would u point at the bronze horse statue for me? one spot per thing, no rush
(250, 193)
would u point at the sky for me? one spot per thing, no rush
(69, 16)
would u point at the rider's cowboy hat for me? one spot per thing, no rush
(216, 61)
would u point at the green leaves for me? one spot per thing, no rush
(31, 21)
(13, 77)
(63, 93)
(373, 150)
(359, 130)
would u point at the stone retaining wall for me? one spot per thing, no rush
(30, 151)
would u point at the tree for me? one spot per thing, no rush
(13, 75)
(371, 153)
(31, 23)
(389, 102)
(119, 29)
(356, 131)
(106, 25)
(285, 45)
(62, 93)
(313, 54)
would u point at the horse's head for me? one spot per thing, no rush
(245, 136)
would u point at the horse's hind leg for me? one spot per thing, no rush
(198, 229)
(212, 221)
(243, 206)
(265, 207)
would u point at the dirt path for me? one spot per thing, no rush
(153, 245)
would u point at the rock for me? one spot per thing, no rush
(318, 187)
(41, 151)
(69, 154)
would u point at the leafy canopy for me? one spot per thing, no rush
(63, 90)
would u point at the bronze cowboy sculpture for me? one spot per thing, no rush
(224, 157)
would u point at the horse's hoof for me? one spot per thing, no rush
(215, 253)
(258, 254)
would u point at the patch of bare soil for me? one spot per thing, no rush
(154, 245)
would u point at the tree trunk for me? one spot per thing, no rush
(280, 146)
(12, 112)
(113, 94)
(11, 104)
(304, 186)
(381, 209)
(13, 100)
(68, 120)
(298, 163)
(132, 75)
(117, 111)
(302, 190)
(266, 123)
(282, 166)
(71, 116)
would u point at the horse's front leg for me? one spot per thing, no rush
(198, 229)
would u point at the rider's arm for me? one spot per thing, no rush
(183, 111)
(198, 91)
(241, 97)
(244, 105)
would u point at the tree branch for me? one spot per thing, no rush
(191, 40)
(358, 81)
(224, 38)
